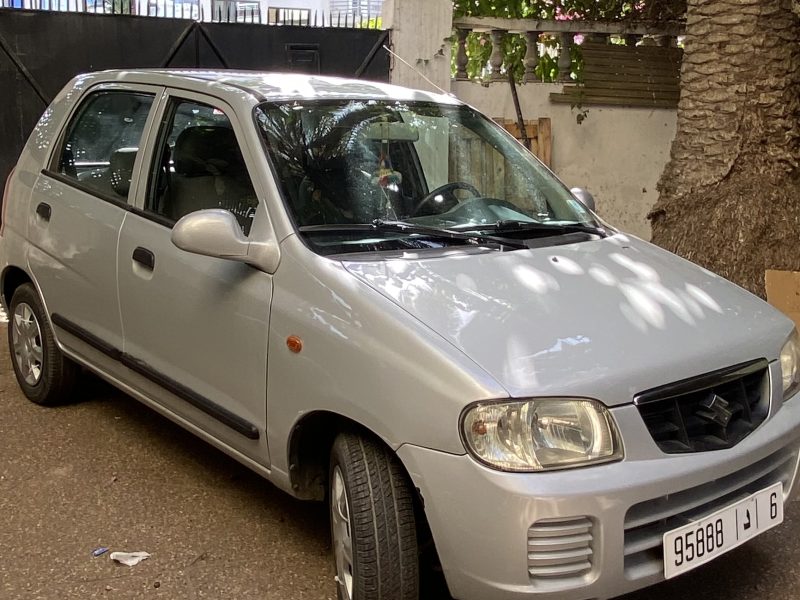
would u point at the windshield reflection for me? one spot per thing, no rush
(358, 161)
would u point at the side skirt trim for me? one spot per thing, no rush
(200, 402)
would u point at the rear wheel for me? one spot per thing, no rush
(45, 375)
(373, 529)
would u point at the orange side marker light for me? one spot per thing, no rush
(294, 343)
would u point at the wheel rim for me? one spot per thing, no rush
(26, 339)
(342, 538)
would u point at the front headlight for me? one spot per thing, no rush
(790, 365)
(540, 434)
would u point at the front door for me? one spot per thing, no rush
(195, 326)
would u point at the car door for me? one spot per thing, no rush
(79, 203)
(196, 326)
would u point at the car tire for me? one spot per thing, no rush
(371, 506)
(46, 376)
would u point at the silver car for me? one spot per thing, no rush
(374, 296)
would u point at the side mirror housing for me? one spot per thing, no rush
(216, 232)
(584, 196)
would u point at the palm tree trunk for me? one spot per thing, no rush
(730, 195)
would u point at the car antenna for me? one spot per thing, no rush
(415, 69)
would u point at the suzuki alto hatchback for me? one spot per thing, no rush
(375, 296)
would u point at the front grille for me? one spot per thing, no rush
(647, 522)
(560, 548)
(710, 412)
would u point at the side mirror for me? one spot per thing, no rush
(584, 196)
(216, 232)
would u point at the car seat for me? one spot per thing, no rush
(209, 173)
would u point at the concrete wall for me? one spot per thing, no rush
(618, 154)
(421, 31)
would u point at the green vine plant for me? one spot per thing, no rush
(479, 45)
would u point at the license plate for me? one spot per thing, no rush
(703, 540)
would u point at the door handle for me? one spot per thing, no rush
(144, 257)
(43, 210)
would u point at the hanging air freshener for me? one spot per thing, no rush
(385, 176)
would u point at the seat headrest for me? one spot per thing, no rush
(121, 170)
(205, 150)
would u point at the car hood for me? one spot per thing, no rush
(603, 319)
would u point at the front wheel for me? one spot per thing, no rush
(373, 528)
(45, 375)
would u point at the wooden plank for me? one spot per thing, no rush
(627, 85)
(591, 78)
(544, 140)
(539, 135)
(499, 174)
(648, 52)
(673, 79)
(672, 28)
(611, 101)
(621, 93)
(535, 144)
(513, 128)
(624, 48)
(616, 93)
(475, 175)
(610, 61)
(660, 61)
(668, 79)
(638, 70)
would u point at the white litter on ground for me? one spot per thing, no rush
(130, 559)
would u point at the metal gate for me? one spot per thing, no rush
(40, 51)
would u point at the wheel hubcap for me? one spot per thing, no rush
(342, 538)
(26, 339)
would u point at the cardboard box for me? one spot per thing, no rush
(783, 292)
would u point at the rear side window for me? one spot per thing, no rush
(102, 141)
(199, 165)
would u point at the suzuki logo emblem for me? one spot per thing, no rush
(714, 409)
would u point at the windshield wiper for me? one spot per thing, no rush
(380, 225)
(510, 225)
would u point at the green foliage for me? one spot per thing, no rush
(596, 10)
(479, 46)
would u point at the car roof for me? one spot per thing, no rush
(272, 86)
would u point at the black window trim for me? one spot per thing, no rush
(61, 178)
(53, 163)
(167, 116)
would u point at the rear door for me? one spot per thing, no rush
(78, 205)
(197, 326)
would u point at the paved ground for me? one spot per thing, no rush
(109, 472)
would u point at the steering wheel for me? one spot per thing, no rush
(479, 210)
(447, 188)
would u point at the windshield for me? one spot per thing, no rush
(348, 162)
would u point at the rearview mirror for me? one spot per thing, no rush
(584, 196)
(391, 132)
(216, 232)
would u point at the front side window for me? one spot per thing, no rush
(343, 165)
(199, 165)
(102, 142)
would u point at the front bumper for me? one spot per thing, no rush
(483, 520)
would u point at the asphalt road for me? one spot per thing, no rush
(110, 472)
